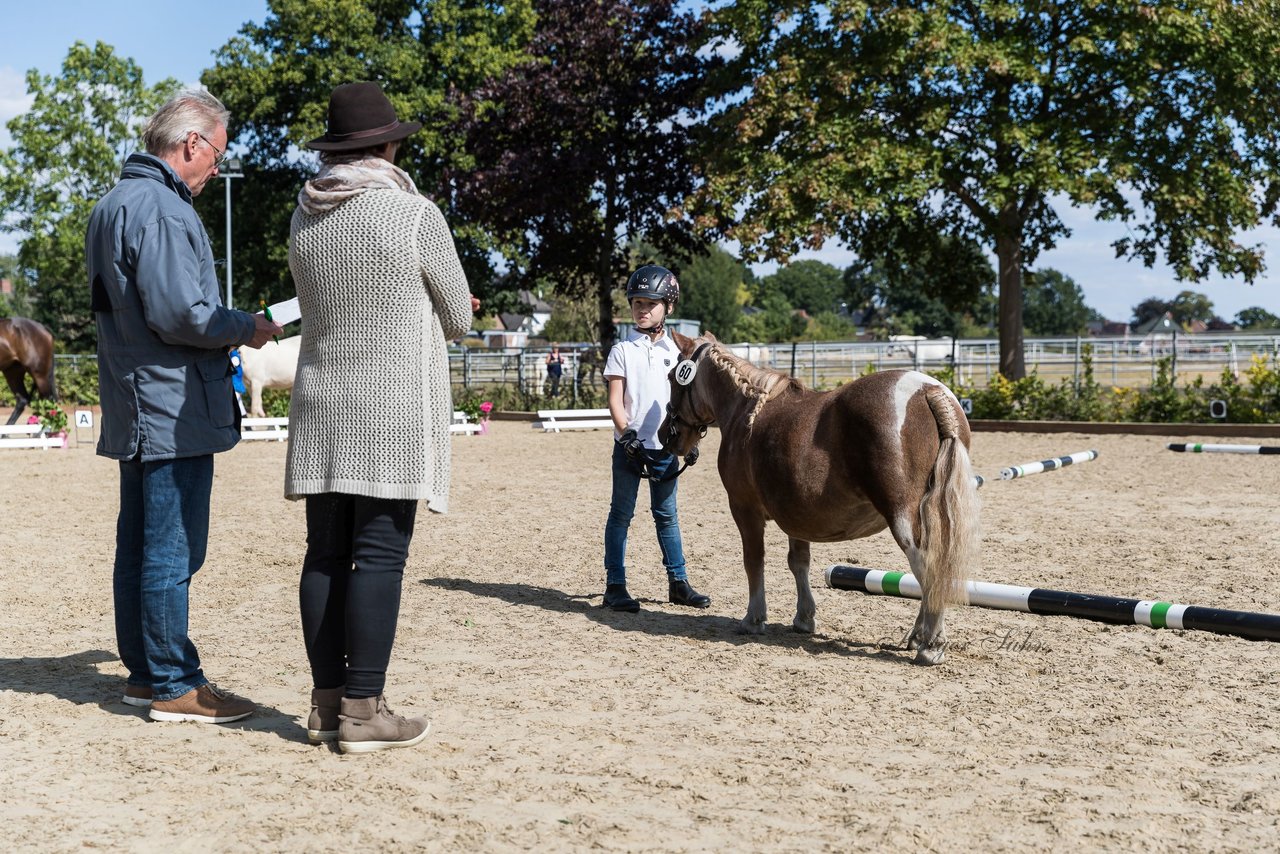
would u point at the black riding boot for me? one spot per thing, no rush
(681, 593)
(617, 598)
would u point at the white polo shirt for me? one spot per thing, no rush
(644, 367)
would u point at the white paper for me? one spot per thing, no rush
(286, 312)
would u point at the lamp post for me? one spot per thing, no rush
(229, 169)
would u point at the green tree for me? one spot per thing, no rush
(584, 147)
(14, 303)
(774, 320)
(829, 326)
(1257, 317)
(1189, 305)
(276, 77)
(838, 119)
(1184, 308)
(67, 153)
(1149, 309)
(811, 285)
(1055, 304)
(922, 285)
(572, 320)
(711, 287)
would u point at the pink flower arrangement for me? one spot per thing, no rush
(486, 407)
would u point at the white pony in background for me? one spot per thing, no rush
(273, 366)
(921, 350)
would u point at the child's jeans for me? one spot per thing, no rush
(662, 503)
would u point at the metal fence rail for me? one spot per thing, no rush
(1127, 362)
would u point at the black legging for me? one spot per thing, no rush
(350, 588)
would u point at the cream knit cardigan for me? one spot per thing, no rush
(381, 290)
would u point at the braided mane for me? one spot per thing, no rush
(763, 384)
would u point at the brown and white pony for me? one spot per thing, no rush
(26, 347)
(889, 450)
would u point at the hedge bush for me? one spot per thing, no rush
(1253, 398)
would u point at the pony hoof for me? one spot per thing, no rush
(804, 627)
(748, 627)
(929, 657)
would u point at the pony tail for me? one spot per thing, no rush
(949, 512)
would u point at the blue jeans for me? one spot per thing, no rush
(161, 536)
(662, 503)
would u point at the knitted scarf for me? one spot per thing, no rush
(348, 177)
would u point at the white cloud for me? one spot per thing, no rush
(14, 100)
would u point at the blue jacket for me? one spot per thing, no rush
(163, 333)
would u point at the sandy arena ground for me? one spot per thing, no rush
(561, 726)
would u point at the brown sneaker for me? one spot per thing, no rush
(137, 695)
(207, 704)
(322, 725)
(368, 725)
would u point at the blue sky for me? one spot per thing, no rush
(169, 43)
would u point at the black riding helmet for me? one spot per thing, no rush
(656, 283)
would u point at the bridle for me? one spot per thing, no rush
(684, 372)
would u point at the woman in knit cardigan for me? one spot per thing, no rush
(381, 290)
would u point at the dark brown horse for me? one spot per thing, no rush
(889, 450)
(26, 347)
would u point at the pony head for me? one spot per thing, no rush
(688, 412)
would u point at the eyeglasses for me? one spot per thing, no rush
(220, 156)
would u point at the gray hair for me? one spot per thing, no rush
(189, 110)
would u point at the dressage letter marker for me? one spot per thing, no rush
(1047, 465)
(1222, 449)
(1106, 609)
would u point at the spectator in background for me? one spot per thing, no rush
(555, 369)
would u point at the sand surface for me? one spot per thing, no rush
(558, 725)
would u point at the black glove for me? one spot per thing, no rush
(631, 445)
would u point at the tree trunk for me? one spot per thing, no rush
(604, 296)
(604, 265)
(607, 331)
(1009, 257)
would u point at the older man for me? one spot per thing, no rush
(167, 400)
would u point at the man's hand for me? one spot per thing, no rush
(631, 444)
(263, 331)
(475, 303)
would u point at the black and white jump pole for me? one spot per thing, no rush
(1025, 469)
(1198, 448)
(1035, 600)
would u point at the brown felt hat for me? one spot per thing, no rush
(360, 116)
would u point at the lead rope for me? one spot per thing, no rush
(646, 471)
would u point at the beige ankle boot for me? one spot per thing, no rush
(322, 724)
(368, 725)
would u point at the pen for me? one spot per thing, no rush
(266, 312)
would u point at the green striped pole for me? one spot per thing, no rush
(1047, 465)
(1198, 448)
(1035, 600)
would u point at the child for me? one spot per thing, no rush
(636, 372)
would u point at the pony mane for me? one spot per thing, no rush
(763, 384)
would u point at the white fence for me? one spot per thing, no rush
(1121, 361)
(1126, 361)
